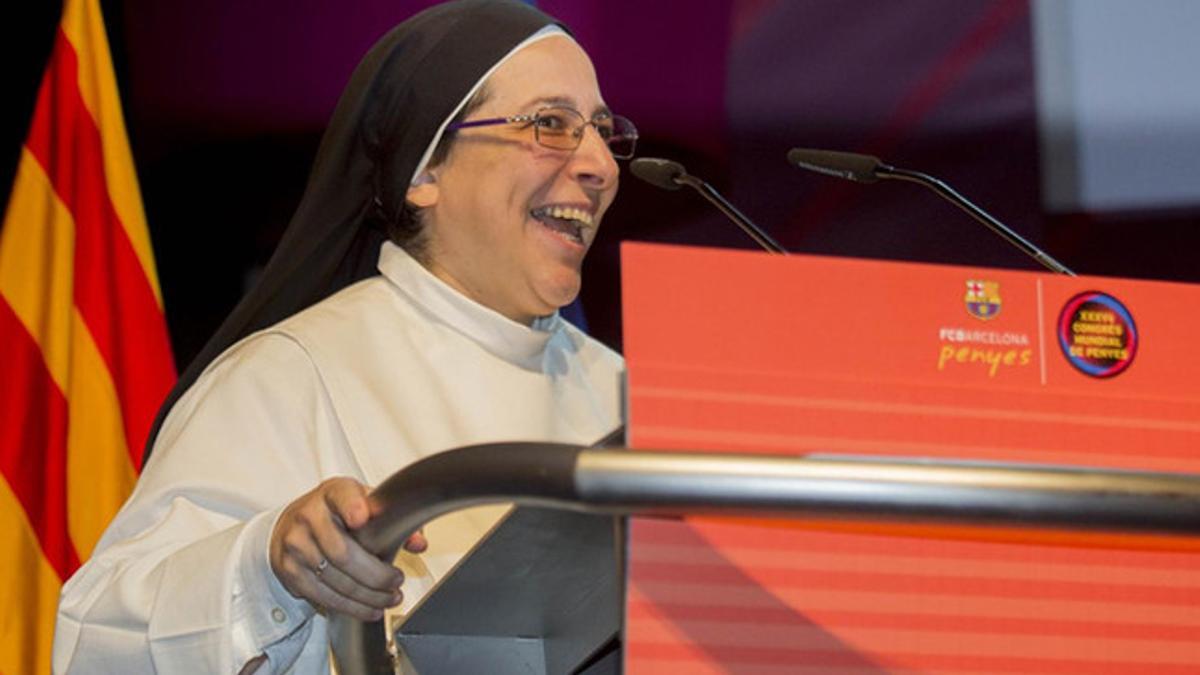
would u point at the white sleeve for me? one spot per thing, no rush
(181, 581)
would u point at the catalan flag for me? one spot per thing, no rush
(84, 355)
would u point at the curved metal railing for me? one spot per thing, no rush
(617, 481)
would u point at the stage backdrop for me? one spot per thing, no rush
(227, 100)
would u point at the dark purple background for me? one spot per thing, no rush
(226, 101)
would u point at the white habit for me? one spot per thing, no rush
(387, 371)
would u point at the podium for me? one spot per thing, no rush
(981, 470)
(541, 594)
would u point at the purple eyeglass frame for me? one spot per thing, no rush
(513, 119)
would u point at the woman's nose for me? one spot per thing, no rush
(593, 163)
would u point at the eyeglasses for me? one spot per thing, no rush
(562, 129)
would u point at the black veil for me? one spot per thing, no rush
(387, 121)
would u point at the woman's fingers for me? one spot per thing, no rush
(344, 585)
(416, 543)
(314, 577)
(316, 558)
(349, 503)
(348, 500)
(323, 596)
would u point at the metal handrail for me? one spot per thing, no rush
(618, 481)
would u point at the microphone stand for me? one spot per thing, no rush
(753, 231)
(951, 195)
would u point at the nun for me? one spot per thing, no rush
(411, 307)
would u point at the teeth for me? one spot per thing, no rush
(565, 213)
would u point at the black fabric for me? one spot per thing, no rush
(406, 86)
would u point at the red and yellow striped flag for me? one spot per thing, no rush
(85, 360)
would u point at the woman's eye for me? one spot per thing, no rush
(552, 122)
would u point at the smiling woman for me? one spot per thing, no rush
(357, 354)
(509, 219)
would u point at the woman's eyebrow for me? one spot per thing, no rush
(567, 103)
(553, 100)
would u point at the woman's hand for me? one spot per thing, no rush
(314, 556)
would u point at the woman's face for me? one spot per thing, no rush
(489, 209)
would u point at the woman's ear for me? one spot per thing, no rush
(423, 193)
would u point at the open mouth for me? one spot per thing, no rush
(567, 221)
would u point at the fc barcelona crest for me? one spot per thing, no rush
(982, 299)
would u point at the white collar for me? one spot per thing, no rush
(512, 341)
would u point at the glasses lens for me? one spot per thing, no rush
(557, 128)
(604, 127)
(563, 129)
(622, 138)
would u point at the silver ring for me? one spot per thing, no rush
(321, 566)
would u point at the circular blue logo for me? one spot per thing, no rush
(1097, 334)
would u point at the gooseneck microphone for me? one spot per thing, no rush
(867, 169)
(670, 175)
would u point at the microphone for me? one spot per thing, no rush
(662, 173)
(670, 175)
(868, 169)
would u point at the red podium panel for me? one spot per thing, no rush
(732, 350)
